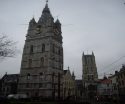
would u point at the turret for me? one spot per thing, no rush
(46, 18)
(73, 75)
(58, 25)
(32, 23)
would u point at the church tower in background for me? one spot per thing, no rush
(90, 75)
(89, 68)
(42, 59)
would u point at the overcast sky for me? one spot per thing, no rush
(87, 25)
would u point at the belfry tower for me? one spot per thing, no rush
(42, 58)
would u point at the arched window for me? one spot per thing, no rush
(42, 61)
(43, 47)
(28, 76)
(31, 49)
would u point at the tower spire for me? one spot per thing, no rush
(47, 2)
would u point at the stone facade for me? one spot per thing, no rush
(104, 89)
(68, 84)
(0, 87)
(120, 77)
(42, 60)
(89, 68)
(90, 75)
(115, 93)
(79, 89)
(9, 84)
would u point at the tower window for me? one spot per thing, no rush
(43, 47)
(40, 85)
(30, 63)
(53, 48)
(59, 51)
(31, 49)
(41, 75)
(42, 61)
(28, 76)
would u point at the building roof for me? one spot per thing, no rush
(105, 81)
(65, 71)
(10, 77)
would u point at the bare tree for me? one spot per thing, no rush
(7, 47)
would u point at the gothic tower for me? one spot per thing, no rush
(90, 75)
(89, 68)
(42, 58)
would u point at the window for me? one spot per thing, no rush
(59, 52)
(30, 63)
(31, 49)
(107, 85)
(40, 85)
(92, 77)
(41, 75)
(27, 85)
(122, 82)
(28, 76)
(43, 47)
(53, 48)
(42, 61)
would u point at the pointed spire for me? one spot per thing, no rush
(73, 73)
(68, 67)
(83, 53)
(46, 1)
(58, 22)
(92, 53)
(46, 9)
(32, 20)
(46, 15)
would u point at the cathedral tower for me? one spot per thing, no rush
(42, 58)
(89, 68)
(90, 75)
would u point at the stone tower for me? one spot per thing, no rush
(42, 59)
(90, 75)
(89, 68)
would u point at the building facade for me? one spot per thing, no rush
(42, 59)
(68, 84)
(115, 92)
(0, 87)
(9, 84)
(79, 89)
(121, 83)
(104, 89)
(90, 75)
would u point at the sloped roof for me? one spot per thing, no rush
(65, 71)
(10, 77)
(105, 81)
